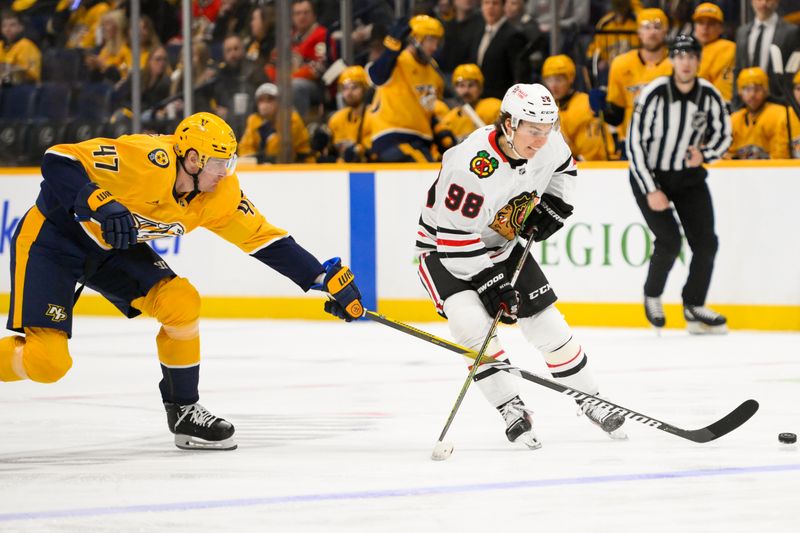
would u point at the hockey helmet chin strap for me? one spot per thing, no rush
(510, 139)
(195, 176)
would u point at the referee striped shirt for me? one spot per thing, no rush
(666, 122)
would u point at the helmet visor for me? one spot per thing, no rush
(218, 165)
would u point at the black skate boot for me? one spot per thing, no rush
(654, 311)
(602, 417)
(197, 429)
(519, 427)
(701, 320)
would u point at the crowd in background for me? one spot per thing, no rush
(418, 84)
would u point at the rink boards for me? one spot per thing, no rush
(367, 214)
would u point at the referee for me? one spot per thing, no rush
(679, 123)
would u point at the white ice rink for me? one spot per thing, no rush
(336, 423)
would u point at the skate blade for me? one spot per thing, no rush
(698, 328)
(187, 442)
(529, 440)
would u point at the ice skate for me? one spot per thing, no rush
(701, 320)
(197, 429)
(519, 426)
(654, 312)
(601, 416)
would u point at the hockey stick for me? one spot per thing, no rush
(777, 65)
(442, 450)
(721, 427)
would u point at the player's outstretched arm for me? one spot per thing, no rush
(339, 283)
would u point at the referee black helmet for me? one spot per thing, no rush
(685, 44)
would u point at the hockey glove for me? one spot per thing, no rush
(398, 34)
(546, 218)
(597, 100)
(117, 223)
(496, 293)
(338, 282)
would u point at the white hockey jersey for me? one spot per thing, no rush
(478, 203)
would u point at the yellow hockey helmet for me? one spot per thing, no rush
(209, 136)
(468, 71)
(424, 26)
(355, 74)
(796, 80)
(752, 76)
(559, 65)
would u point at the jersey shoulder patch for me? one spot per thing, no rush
(159, 158)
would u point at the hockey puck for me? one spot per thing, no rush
(787, 438)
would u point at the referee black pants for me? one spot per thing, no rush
(689, 194)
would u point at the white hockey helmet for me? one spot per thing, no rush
(530, 102)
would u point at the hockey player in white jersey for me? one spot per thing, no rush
(468, 246)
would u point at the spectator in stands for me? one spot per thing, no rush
(409, 87)
(633, 70)
(615, 34)
(473, 112)
(536, 41)
(20, 58)
(83, 24)
(233, 18)
(371, 20)
(261, 140)
(237, 80)
(309, 57)
(262, 34)
(760, 127)
(586, 134)
(497, 48)
(114, 59)
(155, 85)
(719, 55)
(794, 117)
(204, 16)
(753, 41)
(572, 15)
(148, 39)
(456, 45)
(350, 126)
(204, 80)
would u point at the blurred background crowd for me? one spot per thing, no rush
(419, 76)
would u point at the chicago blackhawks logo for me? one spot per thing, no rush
(159, 158)
(509, 219)
(482, 165)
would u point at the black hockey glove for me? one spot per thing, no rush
(338, 282)
(119, 227)
(546, 218)
(495, 292)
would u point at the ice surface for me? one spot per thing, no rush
(336, 424)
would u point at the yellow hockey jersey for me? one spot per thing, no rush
(140, 171)
(461, 124)
(716, 66)
(251, 142)
(348, 128)
(405, 103)
(628, 75)
(794, 131)
(612, 44)
(585, 134)
(23, 57)
(85, 23)
(760, 136)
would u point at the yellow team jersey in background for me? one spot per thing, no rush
(407, 101)
(763, 136)
(250, 143)
(348, 128)
(613, 44)
(585, 134)
(460, 124)
(123, 59)
(140, 171)
(23, 55)
(628, 75)
(794, 130)
(85, 23)
(716, 66)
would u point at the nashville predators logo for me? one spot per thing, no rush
(482, 165)
(153, 229)
(159, 158)
(511, 217)
(56, 313)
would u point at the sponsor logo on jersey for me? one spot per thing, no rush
(509, 219)
(483, 165)
(56, 313)
(154, 229)
(159, 158)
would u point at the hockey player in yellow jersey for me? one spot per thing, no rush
(408, 87)
(759, 128)
(100, 200)
(475, 112)
(585, 133)
(351, 126)
(260, 138)
(719, 55)
(631, 71)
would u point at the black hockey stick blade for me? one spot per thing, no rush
(721, 427)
